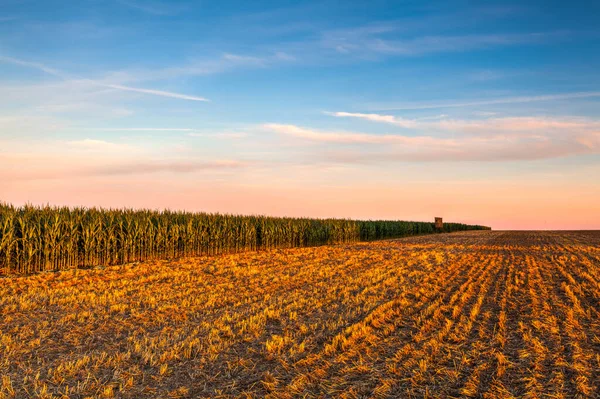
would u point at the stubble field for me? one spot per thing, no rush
(473, 314)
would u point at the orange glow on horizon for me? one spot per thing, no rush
(508, 206)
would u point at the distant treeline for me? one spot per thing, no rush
(55, 238)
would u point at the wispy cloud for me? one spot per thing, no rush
(511, 141)
(15, 125)
(98, 145)
(475, 103)
(90, 160)
(566, 125)
(30, 64)
(156, 92)
(379, 39)
(167, 166)
(432, 117)
(190, 131)
(486, 125)
(139, 129)
(65, 76)
(64, 99)
(223, 135)
(406, 123)
(223, 63)
(353, 138)
(83, 108)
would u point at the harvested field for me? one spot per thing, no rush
(469, 314)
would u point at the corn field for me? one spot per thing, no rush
(34, 239)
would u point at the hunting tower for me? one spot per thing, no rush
(439, 225)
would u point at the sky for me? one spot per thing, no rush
(479, 112)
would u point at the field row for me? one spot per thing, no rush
(473, 314)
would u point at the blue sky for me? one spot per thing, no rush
(346, 109)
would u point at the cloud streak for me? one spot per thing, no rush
(406, 123)
(489, 125)
(155, 92)
(475, 103)
(378, 39)
(34, 65)
(55, 72)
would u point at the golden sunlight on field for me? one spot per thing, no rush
(469, 314)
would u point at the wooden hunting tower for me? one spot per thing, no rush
(439, 225)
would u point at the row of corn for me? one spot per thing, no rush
(36, 239)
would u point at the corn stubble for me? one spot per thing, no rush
(471, 314)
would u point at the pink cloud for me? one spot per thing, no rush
(506, 124)
(511, 140)
(32, 167)
(356, 138)
(406, 123)
(516, 124)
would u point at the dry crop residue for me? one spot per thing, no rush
(474, 314)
